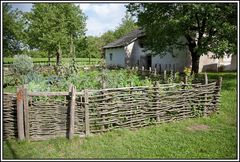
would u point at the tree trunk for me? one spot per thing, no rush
(58, 58)
(59, 55)
(49, 59)
(89, 58)
(195, 62)
(193, 48)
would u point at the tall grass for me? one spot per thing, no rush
(175, 140)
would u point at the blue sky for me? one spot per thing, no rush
(101, 17)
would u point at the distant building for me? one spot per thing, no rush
(128, 51)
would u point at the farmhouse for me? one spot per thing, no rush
(128, 51)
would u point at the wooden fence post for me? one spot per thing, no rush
(205, 98)
(160, 69)
(219, 83)
(165, 76)
(157, 100)
(102, 110)
(185, 79)
(155, 71)
(26, 113)
(87, 126)
(136, 68)
(103, 84)
(20, 122)
(142, 70)
(218, 86)
(206, 78)
(72, 111)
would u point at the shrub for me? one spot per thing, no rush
(187, 71)
(33, 76)
(22, 64)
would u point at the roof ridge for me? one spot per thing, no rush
(126, 39)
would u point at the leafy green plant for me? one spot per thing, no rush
(33, 77)
(187, 71)
(22, 64)
(170, 79)
(176, 77)
(38, 86)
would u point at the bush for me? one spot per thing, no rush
(33, 76)
(22, 64)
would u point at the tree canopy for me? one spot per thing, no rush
(12, 31)
(205, 27)
(54, 25)
(127, 25)
(94, 44)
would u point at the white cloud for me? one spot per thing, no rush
(102, 17)
(84, 6)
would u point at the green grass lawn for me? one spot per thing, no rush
(7, 60)
(178, 140)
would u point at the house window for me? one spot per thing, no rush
(110, 56)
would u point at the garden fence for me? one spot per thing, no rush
(44, 115)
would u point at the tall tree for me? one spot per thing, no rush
(205, 27)
(127, 25)
(12, 30)
(108, 37)
(54, 25)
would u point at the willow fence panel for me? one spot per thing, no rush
(48, 115)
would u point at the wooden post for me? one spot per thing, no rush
(219, 83)
(160, 69)
(72, 112)
(87, 126)
(20, 122)
(155, 71)
(142, 70)
(218, 87)
(205, 98)
(206, 78)
(102, 110)
(103, 84)
(26, 113)
(175, 75)
(150, 69)
(165, 75)
(157, 100)
(185, 79)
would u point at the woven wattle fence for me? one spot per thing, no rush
(35, 115)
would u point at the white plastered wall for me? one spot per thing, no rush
(118, 57)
